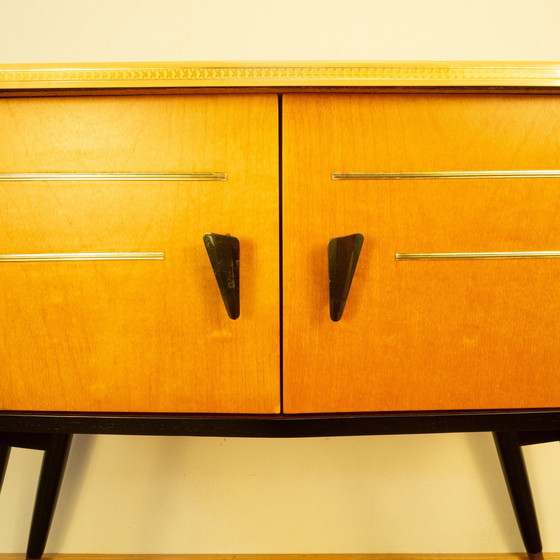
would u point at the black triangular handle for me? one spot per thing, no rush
(343, 255)
(223, 251)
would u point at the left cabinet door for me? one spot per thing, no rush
(107, 295)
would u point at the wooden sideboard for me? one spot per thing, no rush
(383, 247)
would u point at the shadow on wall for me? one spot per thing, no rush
(391, 494)
(486, 461)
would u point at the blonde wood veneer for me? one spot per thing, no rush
(139, 335)
(421, 335)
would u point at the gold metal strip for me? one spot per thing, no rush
(213, 176)
(384, 176)
(47, 257)
(279, 73)
(477, 256)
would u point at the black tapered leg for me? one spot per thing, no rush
(50, 480)
(4, 456)
(515, 473)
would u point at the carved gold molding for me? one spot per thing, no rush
(279, 74)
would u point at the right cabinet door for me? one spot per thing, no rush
(455, 300)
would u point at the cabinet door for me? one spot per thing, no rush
(141, 327)
(436, 317)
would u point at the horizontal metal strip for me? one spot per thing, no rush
(277, 73)
(513, 174)
(39, 257)
(211, 176)
(477, 256)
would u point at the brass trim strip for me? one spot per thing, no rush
(477, 256)
(285, 73)
(48, 257)
(213, 176)
(384, 176)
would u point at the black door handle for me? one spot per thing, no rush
(223, 251)
(343, 253)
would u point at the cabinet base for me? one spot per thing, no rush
(541, 423)
(511, 431)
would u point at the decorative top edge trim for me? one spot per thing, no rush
(278, 74)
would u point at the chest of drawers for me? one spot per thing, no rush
(397, 255)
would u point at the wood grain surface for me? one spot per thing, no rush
(421, 335)
(139, 336)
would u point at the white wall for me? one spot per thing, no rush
(432, 493)
(134, 30)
